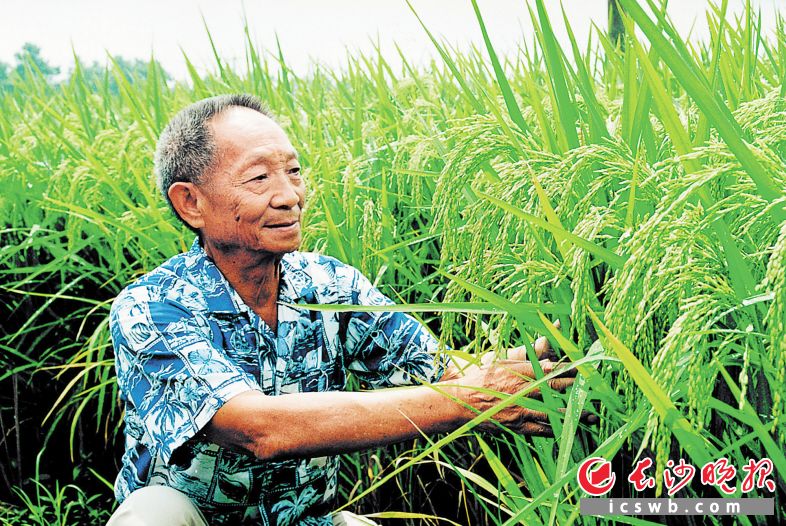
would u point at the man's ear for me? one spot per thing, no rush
(186, 199)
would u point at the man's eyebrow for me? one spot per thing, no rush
(263, 156)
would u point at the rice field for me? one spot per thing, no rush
(631, 189)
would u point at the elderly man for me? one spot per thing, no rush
(206, 343)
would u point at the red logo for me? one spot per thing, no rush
(678, 476)
(598, 481)
(718, 473)
(638, 478)
(764, 469)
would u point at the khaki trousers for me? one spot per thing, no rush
(165, 506)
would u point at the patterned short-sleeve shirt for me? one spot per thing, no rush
(185, 343)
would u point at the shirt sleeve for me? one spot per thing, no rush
(387, 349)
(170, 366)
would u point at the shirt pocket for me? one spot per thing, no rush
(239, 341)
(328, 377)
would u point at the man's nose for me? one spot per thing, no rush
(286, 193)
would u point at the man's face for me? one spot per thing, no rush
(254, 195)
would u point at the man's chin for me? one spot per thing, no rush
(284, 248)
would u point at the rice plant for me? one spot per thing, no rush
(633, 190)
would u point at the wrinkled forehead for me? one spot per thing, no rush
(276, 154)
(249, 132)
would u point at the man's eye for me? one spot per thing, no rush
(295, 171)
(260, 177)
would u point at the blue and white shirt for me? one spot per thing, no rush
(185, 343)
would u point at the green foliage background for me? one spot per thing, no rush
(633, 192)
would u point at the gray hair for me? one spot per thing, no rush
(186, 148)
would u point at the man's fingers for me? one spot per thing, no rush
(550, 366)
(560, 384)
(543, 351)
(543, 347)
(532, 422)
(526, 368)
(564, 369)
(517, 353)
(537, 429)
(587, 417)
(487, 358)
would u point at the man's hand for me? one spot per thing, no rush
(542, 346)
(459, 367)
(508, 377)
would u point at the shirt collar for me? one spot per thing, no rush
(223, 298)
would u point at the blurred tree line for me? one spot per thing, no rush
(28, 59)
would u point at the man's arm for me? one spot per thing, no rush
(326, 423)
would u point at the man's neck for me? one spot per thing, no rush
(254, 275)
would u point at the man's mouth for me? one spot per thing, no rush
(283, 225)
